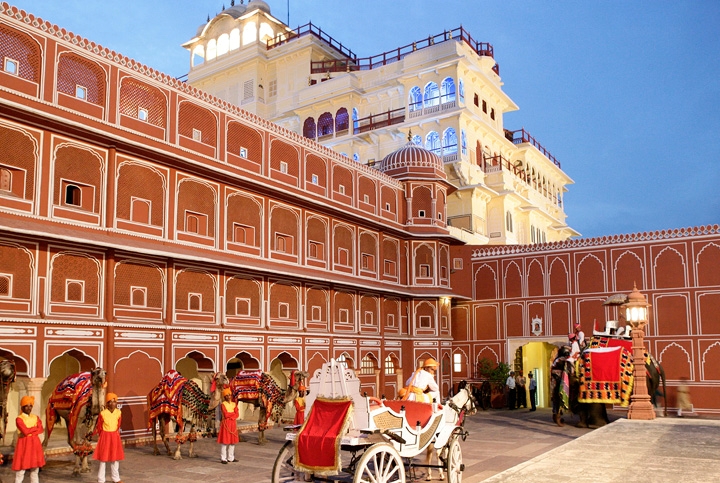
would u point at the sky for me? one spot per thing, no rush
(625, 94)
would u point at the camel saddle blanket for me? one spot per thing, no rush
(73, 393)
(166, 397)
(606, 375)
(317, 446)
(249, 385)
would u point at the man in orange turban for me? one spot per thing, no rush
(228, 435)
(28, 450)
(300, 404)
(109, 448)
(422, 385)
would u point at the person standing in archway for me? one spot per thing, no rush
(510, 383)
(533, 390)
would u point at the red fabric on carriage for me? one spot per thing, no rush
(317, 446)
(414, 411)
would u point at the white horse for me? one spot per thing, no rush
(463, 403)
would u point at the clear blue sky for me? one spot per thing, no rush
(625, 94)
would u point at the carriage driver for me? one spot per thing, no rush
(422, 385)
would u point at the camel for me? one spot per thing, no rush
(260, 389)
(78, 399)
(180, 400)
(7, 376)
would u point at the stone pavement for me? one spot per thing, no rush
(503, 446)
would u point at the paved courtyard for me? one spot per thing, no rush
(503, 446)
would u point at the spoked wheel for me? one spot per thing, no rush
(380, 463)
(453, 460)
(283, 469)
(485, 395)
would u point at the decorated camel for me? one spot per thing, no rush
(7, 376)
(78, 400)
(181, 400)
(260, 389)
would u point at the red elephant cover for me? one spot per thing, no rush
(605, 372)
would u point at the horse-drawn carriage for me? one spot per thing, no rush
(351, 437)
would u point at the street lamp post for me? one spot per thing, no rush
(636, 314)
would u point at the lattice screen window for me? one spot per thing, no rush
(343, 360)
(74, 291)
(5, 285)
(5, 179)
(272, 88)
(248, 88)
(366, 366)
(21, 50)
(389, 366)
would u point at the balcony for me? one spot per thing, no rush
(377, 121)
(522, 136)
(314, 30)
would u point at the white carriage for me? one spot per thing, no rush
(379, 438)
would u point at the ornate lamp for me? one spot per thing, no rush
(636, 314)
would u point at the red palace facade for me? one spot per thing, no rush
(146, 226)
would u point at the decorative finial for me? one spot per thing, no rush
(410, 136)
(232, 3)
(223, 7)
(208, 19)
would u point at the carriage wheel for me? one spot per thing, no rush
(380, 463)
(453, 460)
(485, 395)
(283, 469)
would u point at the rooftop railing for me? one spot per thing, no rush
(310, 29)
(352, 63)
(522, 136)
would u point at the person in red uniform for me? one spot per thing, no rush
(228, 435)
(109, 448)
(28, 450)
(299, 403)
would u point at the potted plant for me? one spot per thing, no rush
(498, 378)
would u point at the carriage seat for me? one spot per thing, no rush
(414, 411)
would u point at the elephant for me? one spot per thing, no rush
(592, 415)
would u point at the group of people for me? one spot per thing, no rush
(517, 386)
(29, 456)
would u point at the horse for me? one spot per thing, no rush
(7, 377)
(463, 403)
(179, 399)
(260, 389)
(78, 399)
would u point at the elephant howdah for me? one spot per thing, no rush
(603, 374)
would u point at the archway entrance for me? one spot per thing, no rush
(536, 357)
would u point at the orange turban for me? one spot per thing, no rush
(110, 396)
(226, 392)
(27, 401)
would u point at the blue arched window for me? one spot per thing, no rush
(447, 90)
(432, 95)
(309, 128)
(415, 99)
(355, 117)
(461, 90)
(463, 141)
(417, 140)
(432, 142)
(341, 120)
(449, 141)
(325, 124)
